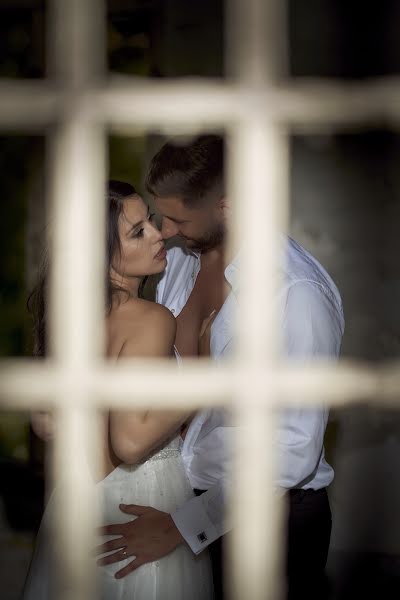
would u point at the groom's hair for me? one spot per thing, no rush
(192, 171)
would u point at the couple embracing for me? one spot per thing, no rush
(166, 473)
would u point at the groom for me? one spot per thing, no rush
(187, 182)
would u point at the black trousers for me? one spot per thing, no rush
(308, 536)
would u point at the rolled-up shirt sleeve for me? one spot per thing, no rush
(312, 328)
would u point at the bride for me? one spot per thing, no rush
(141, 451)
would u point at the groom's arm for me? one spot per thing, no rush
(312, 329)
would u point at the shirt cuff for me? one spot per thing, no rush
(194, 525)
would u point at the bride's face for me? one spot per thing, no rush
(142, 245)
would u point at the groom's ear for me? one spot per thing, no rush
(225, 208)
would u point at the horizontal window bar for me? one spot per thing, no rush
(24, 384)
(302, 104)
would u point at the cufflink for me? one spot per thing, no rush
(202, 537)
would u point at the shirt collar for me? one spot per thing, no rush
(232, 272)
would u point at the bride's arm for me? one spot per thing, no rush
(134, 434)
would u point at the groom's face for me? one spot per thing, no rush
(202, 228)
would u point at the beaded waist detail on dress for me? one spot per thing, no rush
(164, 454)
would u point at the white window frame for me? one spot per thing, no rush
(76, 106)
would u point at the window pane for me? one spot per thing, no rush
(345, 204)
(344, 39)
(22, 232)
(166, 38)
(22, 38)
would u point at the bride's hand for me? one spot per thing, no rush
(205, 334)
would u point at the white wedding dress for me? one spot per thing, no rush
(161, 482)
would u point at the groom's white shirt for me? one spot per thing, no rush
(313, 324)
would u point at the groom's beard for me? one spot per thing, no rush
(208, 242)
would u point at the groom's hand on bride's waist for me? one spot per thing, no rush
(149, 537)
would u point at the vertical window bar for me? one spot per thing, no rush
(76, 174)
(258, 184)
(77, 191)
(256, 45)
(76, 42)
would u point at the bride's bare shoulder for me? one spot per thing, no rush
(138, 327)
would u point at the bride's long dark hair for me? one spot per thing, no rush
(117, 192)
